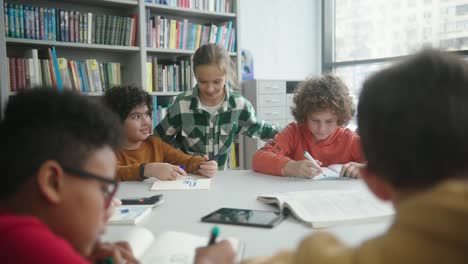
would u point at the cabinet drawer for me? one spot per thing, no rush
(272, 113)
(270, 100)
(289, 100)
(270, 87)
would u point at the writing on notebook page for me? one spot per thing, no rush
(190, 182)
(331, 172)
(183, 183)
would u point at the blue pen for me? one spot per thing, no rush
(215, 157)
(182, 167)
(213, 236)
(124, 211)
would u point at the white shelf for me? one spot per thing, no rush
(170, 51)
(37, 42)
(177, 51)
(107, 3)
(85, 93)
(165, 93)
(187, 12)
(93, 93)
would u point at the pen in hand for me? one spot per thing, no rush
(314, 162)
(213, 236)
(214, 157)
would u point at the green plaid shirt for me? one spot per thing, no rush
(191, 128)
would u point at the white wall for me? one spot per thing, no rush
(284, 37)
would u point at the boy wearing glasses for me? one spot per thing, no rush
(141, 155)
(59, 166)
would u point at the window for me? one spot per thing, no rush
(361, 37)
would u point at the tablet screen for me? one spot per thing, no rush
(246, 217)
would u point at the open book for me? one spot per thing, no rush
(327, 208)
(182, 183)
(168, 247)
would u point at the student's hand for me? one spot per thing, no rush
(164, 171)
(116, 203)
(352, 170)
(219, 253)
(302, 168)
(120, 252)
(208, 168)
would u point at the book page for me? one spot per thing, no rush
(328, 208)
(183, 183)
(274, 199)
(176, 247)
(139, 238)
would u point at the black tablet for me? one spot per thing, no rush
(245, 217)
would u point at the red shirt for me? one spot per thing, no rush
(24, 239)
(340, 147)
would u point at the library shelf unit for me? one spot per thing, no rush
(133, 58)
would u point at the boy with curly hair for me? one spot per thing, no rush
(322, 107)
(141, 155)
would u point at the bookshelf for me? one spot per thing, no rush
(133, 58)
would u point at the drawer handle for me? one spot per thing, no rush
(272, 113)
(273, 100)
(272, 87)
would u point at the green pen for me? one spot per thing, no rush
(108, 260)
(214, 234)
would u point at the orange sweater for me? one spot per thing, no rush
(341, 147)
(153, 149)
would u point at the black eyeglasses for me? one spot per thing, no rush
(112, 185)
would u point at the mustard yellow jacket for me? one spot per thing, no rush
(431, 227)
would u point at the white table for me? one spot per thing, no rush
(182, 210)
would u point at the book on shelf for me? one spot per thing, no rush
(169, 76)
(325, 208)
(165, 248)
(39, 70)
(223, 6)
(163, 32)
(53, 24)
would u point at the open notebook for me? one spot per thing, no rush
(327, 208)
(331, 172)
(183, 183)
(168, 247)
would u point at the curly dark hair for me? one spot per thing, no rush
(122, 99)
(323, 93)
(413, 120)
(45, 124)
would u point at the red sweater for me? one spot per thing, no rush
(340, 147)
(24, 239)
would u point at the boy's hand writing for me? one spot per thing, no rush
(209, 167)
(302, 168)
(220, 253)
(164, 171)
(119, 252)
